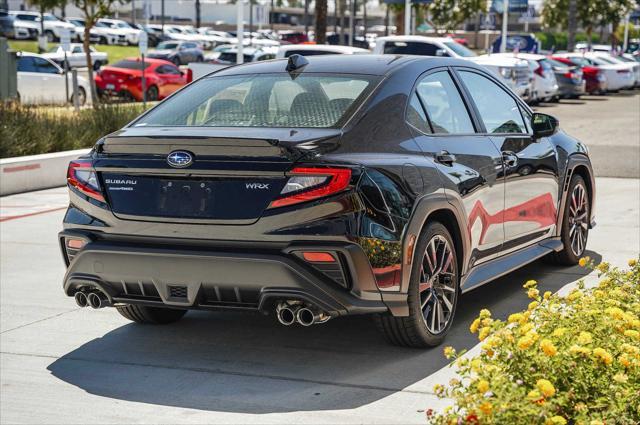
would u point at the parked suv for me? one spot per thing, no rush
(53, 26)
(514, 72)
(318, 187)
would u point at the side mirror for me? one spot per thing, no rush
(544, 125)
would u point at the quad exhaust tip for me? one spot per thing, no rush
(95, 299)
(81, 299)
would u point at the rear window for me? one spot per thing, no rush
(410, 48)
(263, 100)
(128, 64)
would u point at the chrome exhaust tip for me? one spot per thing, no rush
(81, 299)
(286, 314)
(97, 300)
(305, 316)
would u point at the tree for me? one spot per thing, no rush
(321, 21)
(450, 14)
(198, 14)
(572, 24)
(43, 6)
(92, 10)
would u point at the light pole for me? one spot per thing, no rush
(240, 31)
(505, 21)
(407, 17)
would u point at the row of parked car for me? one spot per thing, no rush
(536, 78)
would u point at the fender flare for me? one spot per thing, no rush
(425, 207)
(575, 160)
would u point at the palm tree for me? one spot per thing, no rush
(321, 21)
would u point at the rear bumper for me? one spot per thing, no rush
(175, 274)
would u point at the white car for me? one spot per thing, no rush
(76, 57)
(99, 33)
(42, 82)
(317, 49)
(131, 35)
(183, 33)
(513, 72)
(631, 63)
(619, 76)
(545, 85)
(53, 26)
(25, 30)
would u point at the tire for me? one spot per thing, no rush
(200, 59)
(150, 315)
(416, 330)
(176, 61)
(571, 251)
(82, 97)
(152, 94)
(103, 40)
(97, 65)
(51, 37)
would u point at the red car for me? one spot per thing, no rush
(593, 77)
(124, 79)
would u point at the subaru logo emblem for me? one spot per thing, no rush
(179, 159)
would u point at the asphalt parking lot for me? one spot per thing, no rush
(63, 364)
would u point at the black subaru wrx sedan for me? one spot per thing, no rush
(325, 186)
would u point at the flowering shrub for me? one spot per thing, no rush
(572, 359)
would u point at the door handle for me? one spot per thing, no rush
(444, 157)
(509, 159)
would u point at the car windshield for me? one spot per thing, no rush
(122, 25)
(131, 64)
(169, 45)
(262, 100)
(50, 18)
(607, 60)
(78, 23)
(101, 25)
(459, 49)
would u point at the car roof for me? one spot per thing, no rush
(322, 47)
(151, 61)
(347, 64)
(418, 38)
(527, 56)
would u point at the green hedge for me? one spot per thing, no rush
(558, 40)
(28, 130)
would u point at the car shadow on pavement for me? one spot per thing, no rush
(247, 363)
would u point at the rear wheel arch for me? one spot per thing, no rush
(448, 219)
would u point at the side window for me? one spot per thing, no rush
(498, 110)
(25, 64)
(416, 116)
(444, 105)
(161, 70)
(45, 67)
(77, 49)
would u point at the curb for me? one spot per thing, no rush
(34, 172)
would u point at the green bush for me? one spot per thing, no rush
(572, 359)
(559, 40)
(28, 130)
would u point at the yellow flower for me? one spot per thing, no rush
(530, 283)
(482, 386)
(584, 338)
(615, 312)
(449, 352)
(534, 395)
(603, 267)
(438, 388)
(525, 342)
(583, 261)
(576, 349)
(559, 332)
(555, 420)
(515, 317)
(546, 387)
(574, 295)
(632, 262)
(476, 365)
(603, 355)
(546, 295)
(474, 326)
(632, 334)
(533, 293)
(596, 422)
(624, 360)
(484, 332)
(485, 408)
(548, 348)
(526, 328)
(620, 378)
(484, 313)
(533, 304)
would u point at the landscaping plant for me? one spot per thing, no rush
(571, 359)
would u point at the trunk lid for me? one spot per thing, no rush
(233, 176)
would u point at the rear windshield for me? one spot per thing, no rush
(263, 100)
(129, 64)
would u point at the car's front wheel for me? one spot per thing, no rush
(150, 315)
(433, 293)
(575, 223)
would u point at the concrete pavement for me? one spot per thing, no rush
(63, 364)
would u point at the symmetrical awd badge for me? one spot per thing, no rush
(179, 159)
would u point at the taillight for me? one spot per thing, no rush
(306, 184)
(83, 177)
(539, 70)
(189, 75)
